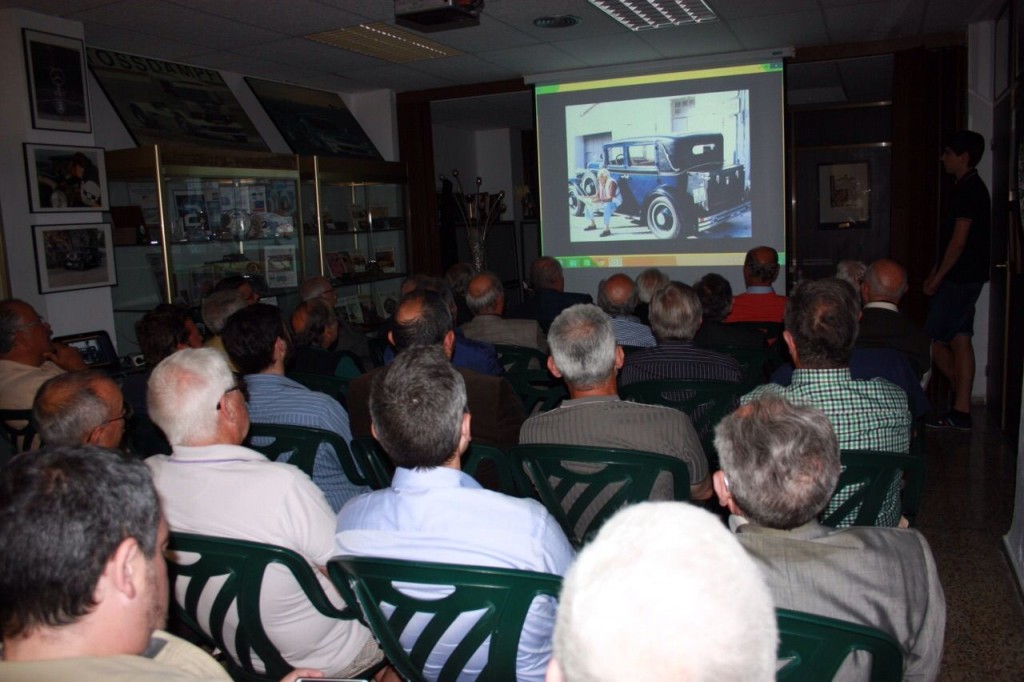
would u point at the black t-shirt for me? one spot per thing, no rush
(970, 202)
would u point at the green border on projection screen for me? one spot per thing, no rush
(719, 72)
(583, 262)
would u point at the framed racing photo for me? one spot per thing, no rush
(63, 179)
(58, 94)
(72, 257)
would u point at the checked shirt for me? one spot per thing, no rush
(866, 415)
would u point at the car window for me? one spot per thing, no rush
(643, 155)
(615, 155)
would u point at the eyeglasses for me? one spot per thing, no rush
(126, 414)
(239, 386)
(39, 321)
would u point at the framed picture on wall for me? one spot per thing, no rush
(844, 195)
(72, 257)
(58, 94)
(63, 179)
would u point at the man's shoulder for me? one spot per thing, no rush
(899, 543)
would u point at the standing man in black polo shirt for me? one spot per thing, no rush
(956, 281)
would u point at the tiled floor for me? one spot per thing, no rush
(966, 509)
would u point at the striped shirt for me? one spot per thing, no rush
(274, 399)
(630, 331)
(679, 360)
(866, 415)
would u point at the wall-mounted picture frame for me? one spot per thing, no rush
(70, 257)
(66, 179)
(844, 195)
(58, 91)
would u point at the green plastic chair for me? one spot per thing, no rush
(501, 596)
(520, 357)
(753, 363)
(583, 486)
(21, 438)
(243, 564)
(336, 387)
(706, 403)
(274, 440)
(367, 449)
(871, 477)
(494, 469)
(814, 647)
(538, 390)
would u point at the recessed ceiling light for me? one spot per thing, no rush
(384, 41)
(639, 15)
(556, 21)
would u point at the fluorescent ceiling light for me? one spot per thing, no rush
(639, 15)
(384, 41)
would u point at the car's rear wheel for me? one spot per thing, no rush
(575, 205)
(589, 184)
(662, 218)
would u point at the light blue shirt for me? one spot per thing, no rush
(443, 515)
(274, 399)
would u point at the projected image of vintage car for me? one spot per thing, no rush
(673, 184)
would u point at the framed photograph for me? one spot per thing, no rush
(72, 257)
(58, 94)
(63, 179)
(281, 267)
(844, 195)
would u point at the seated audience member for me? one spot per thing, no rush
(584, 353)
(759, 303)
(882, 325)
(315, 327)
(457, 277)
(549, 297)
(485, 296)
(240, 283)
(28, 355)
(423, 318)
(715, 294)
(675, 318)
(851, 272)
(468, 353)
(647, 282)
(80, 408)
(434, 512)
(216, 309)
(618, 297)
(780, 464)
(212, 486)
(320, 288)
(88, 520)
(257, 343)
(162, 331)
(821, 327)
(663, 593)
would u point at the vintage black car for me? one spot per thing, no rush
(674, 184)
(82, 258)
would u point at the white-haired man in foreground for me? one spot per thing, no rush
(663, 593)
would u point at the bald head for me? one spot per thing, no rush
(318, 288)
(423, 318)
(79, 408)
(617, 295)
(761, 266)
(485, 294)
(546, 273)
(884, 280)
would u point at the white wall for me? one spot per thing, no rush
(67, 312)
(455, 148)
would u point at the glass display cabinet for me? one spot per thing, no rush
(355, 232)
(184, 218)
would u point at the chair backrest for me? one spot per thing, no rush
(494, 469)
(753, 363)
(242, 566)
(519, 357)
(583, 486)
(869, 477)
(537, 389)
(336, 387)
(274, 440)
(814, 647)
(18, 429)
(501, 597)
(706, 403)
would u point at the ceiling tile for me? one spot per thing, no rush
(311, 55)
(532, 59)
(398, 77)
(623, 50)
(125, 40)
(465, 69)
(295, 17)
(691, 40)
(801, 28)
(735, 9)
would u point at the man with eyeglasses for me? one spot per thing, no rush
(212, 485)
(28, 355)
(81, 408)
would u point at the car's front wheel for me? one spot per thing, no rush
(575, 204)
(662, 218)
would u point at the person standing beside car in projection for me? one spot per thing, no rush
(606, 197)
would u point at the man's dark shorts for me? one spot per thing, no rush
(952, 310)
